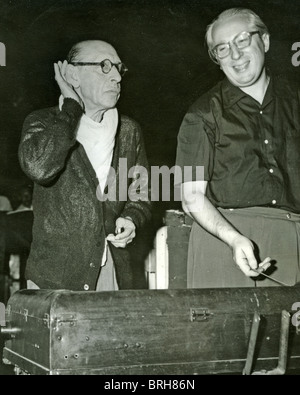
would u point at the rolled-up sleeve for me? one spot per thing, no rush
(195, 149)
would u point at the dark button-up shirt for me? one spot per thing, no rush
(250, 151)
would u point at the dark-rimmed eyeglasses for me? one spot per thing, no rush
(106, 66)
(240, 41)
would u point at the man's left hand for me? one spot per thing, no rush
(125, 233)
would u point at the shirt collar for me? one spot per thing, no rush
(277, 87)
(231, 94)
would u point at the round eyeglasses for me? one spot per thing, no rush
(106, 66)
(242, 40)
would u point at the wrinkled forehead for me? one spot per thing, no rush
(98, 51)
(225, 30)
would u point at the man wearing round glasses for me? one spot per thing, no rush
(245, 133)
(72, 152)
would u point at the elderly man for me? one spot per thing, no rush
(245, 132)
(79, 237)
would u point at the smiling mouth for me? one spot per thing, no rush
(241, 67)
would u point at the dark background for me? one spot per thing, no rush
(161, 42)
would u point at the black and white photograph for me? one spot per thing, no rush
(149, 190)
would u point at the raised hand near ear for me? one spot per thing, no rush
(66, 88)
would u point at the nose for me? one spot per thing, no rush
(115, 75)
(236, 53)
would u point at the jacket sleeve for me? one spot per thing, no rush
(138, 205)
(47, 138)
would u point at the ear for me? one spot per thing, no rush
(266, 40)
(72, 76)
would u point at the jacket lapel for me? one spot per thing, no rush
(115, 167)
(87, 165)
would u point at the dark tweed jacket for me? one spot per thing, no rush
(70, 223)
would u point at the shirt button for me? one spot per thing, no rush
(274, 202)
(266, 141)
(260, 112)
(271, 171)
(288, 216)
(86, 287)
(92, 264)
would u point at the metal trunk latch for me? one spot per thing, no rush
(199, 314)
(65, 319)
(46, 320)
(25, 313)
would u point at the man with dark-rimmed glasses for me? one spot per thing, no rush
(80, 238)
(245, 132)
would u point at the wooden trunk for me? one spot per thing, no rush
(199, 331)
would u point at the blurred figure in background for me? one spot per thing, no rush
(25, 199)
(19, 237)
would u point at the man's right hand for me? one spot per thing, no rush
(65, 87)
(243, 255)
(196, 204)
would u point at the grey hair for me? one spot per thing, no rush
(251, 16)
(77, 52)
(74, 52)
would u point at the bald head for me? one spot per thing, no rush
(88, 50)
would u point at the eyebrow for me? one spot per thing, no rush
(226, 42)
